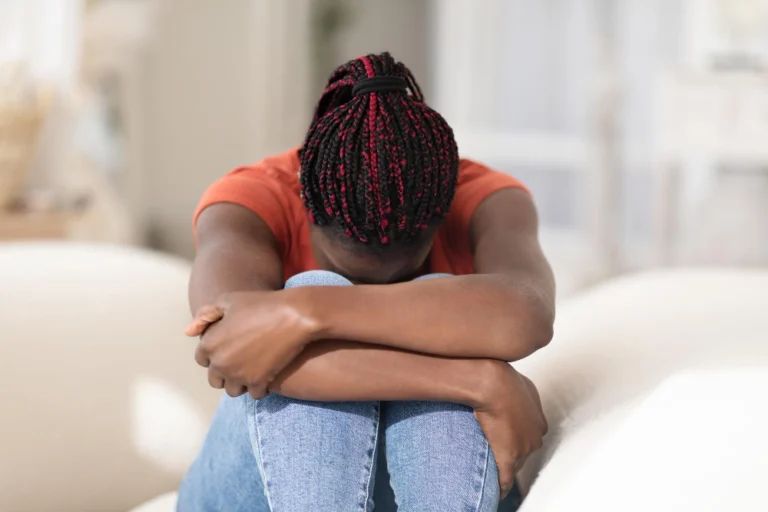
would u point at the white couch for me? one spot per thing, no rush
(102, 404)
(654, 385)
(656, 389)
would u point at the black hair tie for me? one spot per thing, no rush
(379, 84)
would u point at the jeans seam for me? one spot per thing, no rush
(377, 411)
(485, 477)
(253, 404)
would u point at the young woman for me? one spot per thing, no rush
(358, 299)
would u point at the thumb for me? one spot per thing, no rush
(204, 317)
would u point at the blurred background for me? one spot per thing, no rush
(640, 125)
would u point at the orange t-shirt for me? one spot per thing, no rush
(270, 188)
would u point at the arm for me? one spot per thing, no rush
(237, 252)
(505, 311)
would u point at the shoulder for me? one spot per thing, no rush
(269, 188)
(472, 172)
(275, 175)
(282, 168)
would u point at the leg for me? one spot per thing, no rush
(439, 459)
(315, 456)
(289, 455)
(225, 475)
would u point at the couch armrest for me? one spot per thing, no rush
(694, 444)
(615, 343)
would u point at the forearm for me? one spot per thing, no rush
(349, 371)
(481, 316)
(229, 266)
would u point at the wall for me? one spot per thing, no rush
(221, 86)
(400, 27)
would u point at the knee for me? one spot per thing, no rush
(432, 415)
(275, 415)
(317, 278)
(433, 424)
(307, 412)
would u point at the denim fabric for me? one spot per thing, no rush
(284, 455)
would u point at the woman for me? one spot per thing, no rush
(358, 300)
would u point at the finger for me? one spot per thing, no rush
(257, 393)
(234, 390)
(504, 492)
(506, 478)
(215, 380)
(518, 465)
(532, 389)
(202, 321)
(201, 358)
(204, 317)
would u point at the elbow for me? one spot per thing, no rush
(530, 329)
(541, 331)
(538, 326)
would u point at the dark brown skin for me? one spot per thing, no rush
(442, 339)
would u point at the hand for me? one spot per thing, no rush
(512, 419)
(247, 338)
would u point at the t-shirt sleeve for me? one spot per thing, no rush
(476, 183)
(255, 189)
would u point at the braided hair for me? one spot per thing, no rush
(377, 164)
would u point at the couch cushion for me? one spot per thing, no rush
(103, 404)
(616, 343)
(163, 503)
(695, 443)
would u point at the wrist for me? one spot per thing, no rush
(493, 374)
(474, 381)
(305, 305)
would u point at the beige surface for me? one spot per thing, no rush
(695, 443)
(103, 406)
(236, 95)
(608, 371)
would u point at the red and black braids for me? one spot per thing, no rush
(377, 163)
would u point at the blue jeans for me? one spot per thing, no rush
(283, 455)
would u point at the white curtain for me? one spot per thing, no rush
(44, 36)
